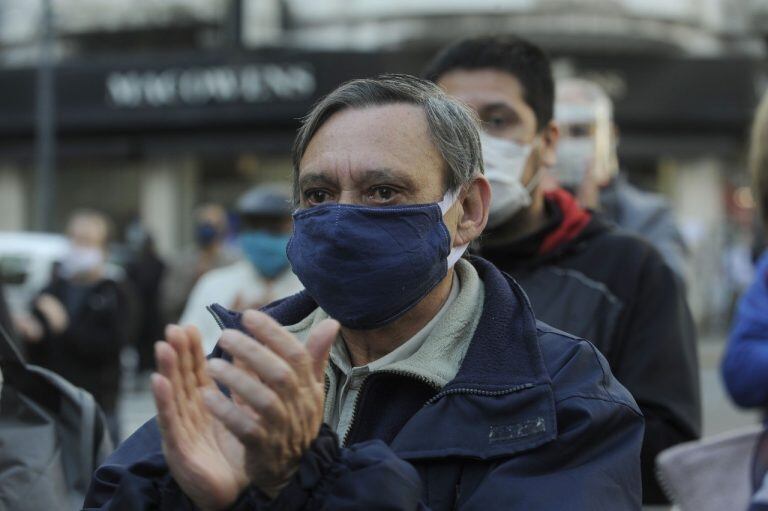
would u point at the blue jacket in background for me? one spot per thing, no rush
(534, 420)
(745, 364)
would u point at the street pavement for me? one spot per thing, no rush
(719, 413)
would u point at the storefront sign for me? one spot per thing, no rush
(211, 85)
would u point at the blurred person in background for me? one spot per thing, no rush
(582, 274)
(77, 325)
(587, 165)
(207, 253)
(145, 270)
(262, 275)
(745, 362)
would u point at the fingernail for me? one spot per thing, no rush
(216, 364)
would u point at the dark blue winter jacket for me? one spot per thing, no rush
(745, 364)
(533, 420)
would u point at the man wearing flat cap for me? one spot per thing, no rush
(262, 275)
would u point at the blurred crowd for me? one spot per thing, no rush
(104, 296)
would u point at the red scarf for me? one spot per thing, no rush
(575, 218)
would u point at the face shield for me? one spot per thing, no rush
(584, 150)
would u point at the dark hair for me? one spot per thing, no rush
(521, 59)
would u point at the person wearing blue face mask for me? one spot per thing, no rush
(405, 376)
(209, 252)
(261, 275)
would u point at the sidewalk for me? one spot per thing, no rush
(719, 412)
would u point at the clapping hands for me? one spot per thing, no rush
(216, 447)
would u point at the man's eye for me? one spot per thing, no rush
(580, 130)
(496, 122)
(382, 193)
(316, 196)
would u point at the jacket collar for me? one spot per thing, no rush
(502, 380)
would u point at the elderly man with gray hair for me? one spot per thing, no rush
(405, 376)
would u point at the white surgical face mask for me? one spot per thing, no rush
(504, 166)
(575, 156)
(81, 260)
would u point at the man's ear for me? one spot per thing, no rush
(549, 138)
(475, 204)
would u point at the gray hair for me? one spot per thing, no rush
(452, 125)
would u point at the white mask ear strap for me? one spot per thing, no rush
(534, 182)
(449, 199)
(455, 255)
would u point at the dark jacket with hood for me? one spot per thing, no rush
(588, 278)
(649, 216)
(533, 420)
(87, 353)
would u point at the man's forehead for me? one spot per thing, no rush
(481, 87)
(376, 120)
(392, 137)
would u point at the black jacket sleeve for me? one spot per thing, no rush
(99, 331)
(5, 316)
(658, 363)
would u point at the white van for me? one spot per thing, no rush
(26, 264)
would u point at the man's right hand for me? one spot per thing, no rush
(54, 312)
(204, 458)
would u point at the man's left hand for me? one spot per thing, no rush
(278, 393)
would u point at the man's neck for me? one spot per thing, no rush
(524, 223)
(211, 251)
(88, 279)
(366, 346)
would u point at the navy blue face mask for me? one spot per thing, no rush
(206, 234)
(367, 266)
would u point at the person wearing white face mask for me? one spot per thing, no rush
(504, 167)
(581, 274)
(587, 165)
(77, 324)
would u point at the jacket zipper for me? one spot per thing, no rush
(215, 316)
(417, 377)
(478, 392)
(439, 395)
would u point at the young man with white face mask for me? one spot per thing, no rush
(77, 327)
(581, 274)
